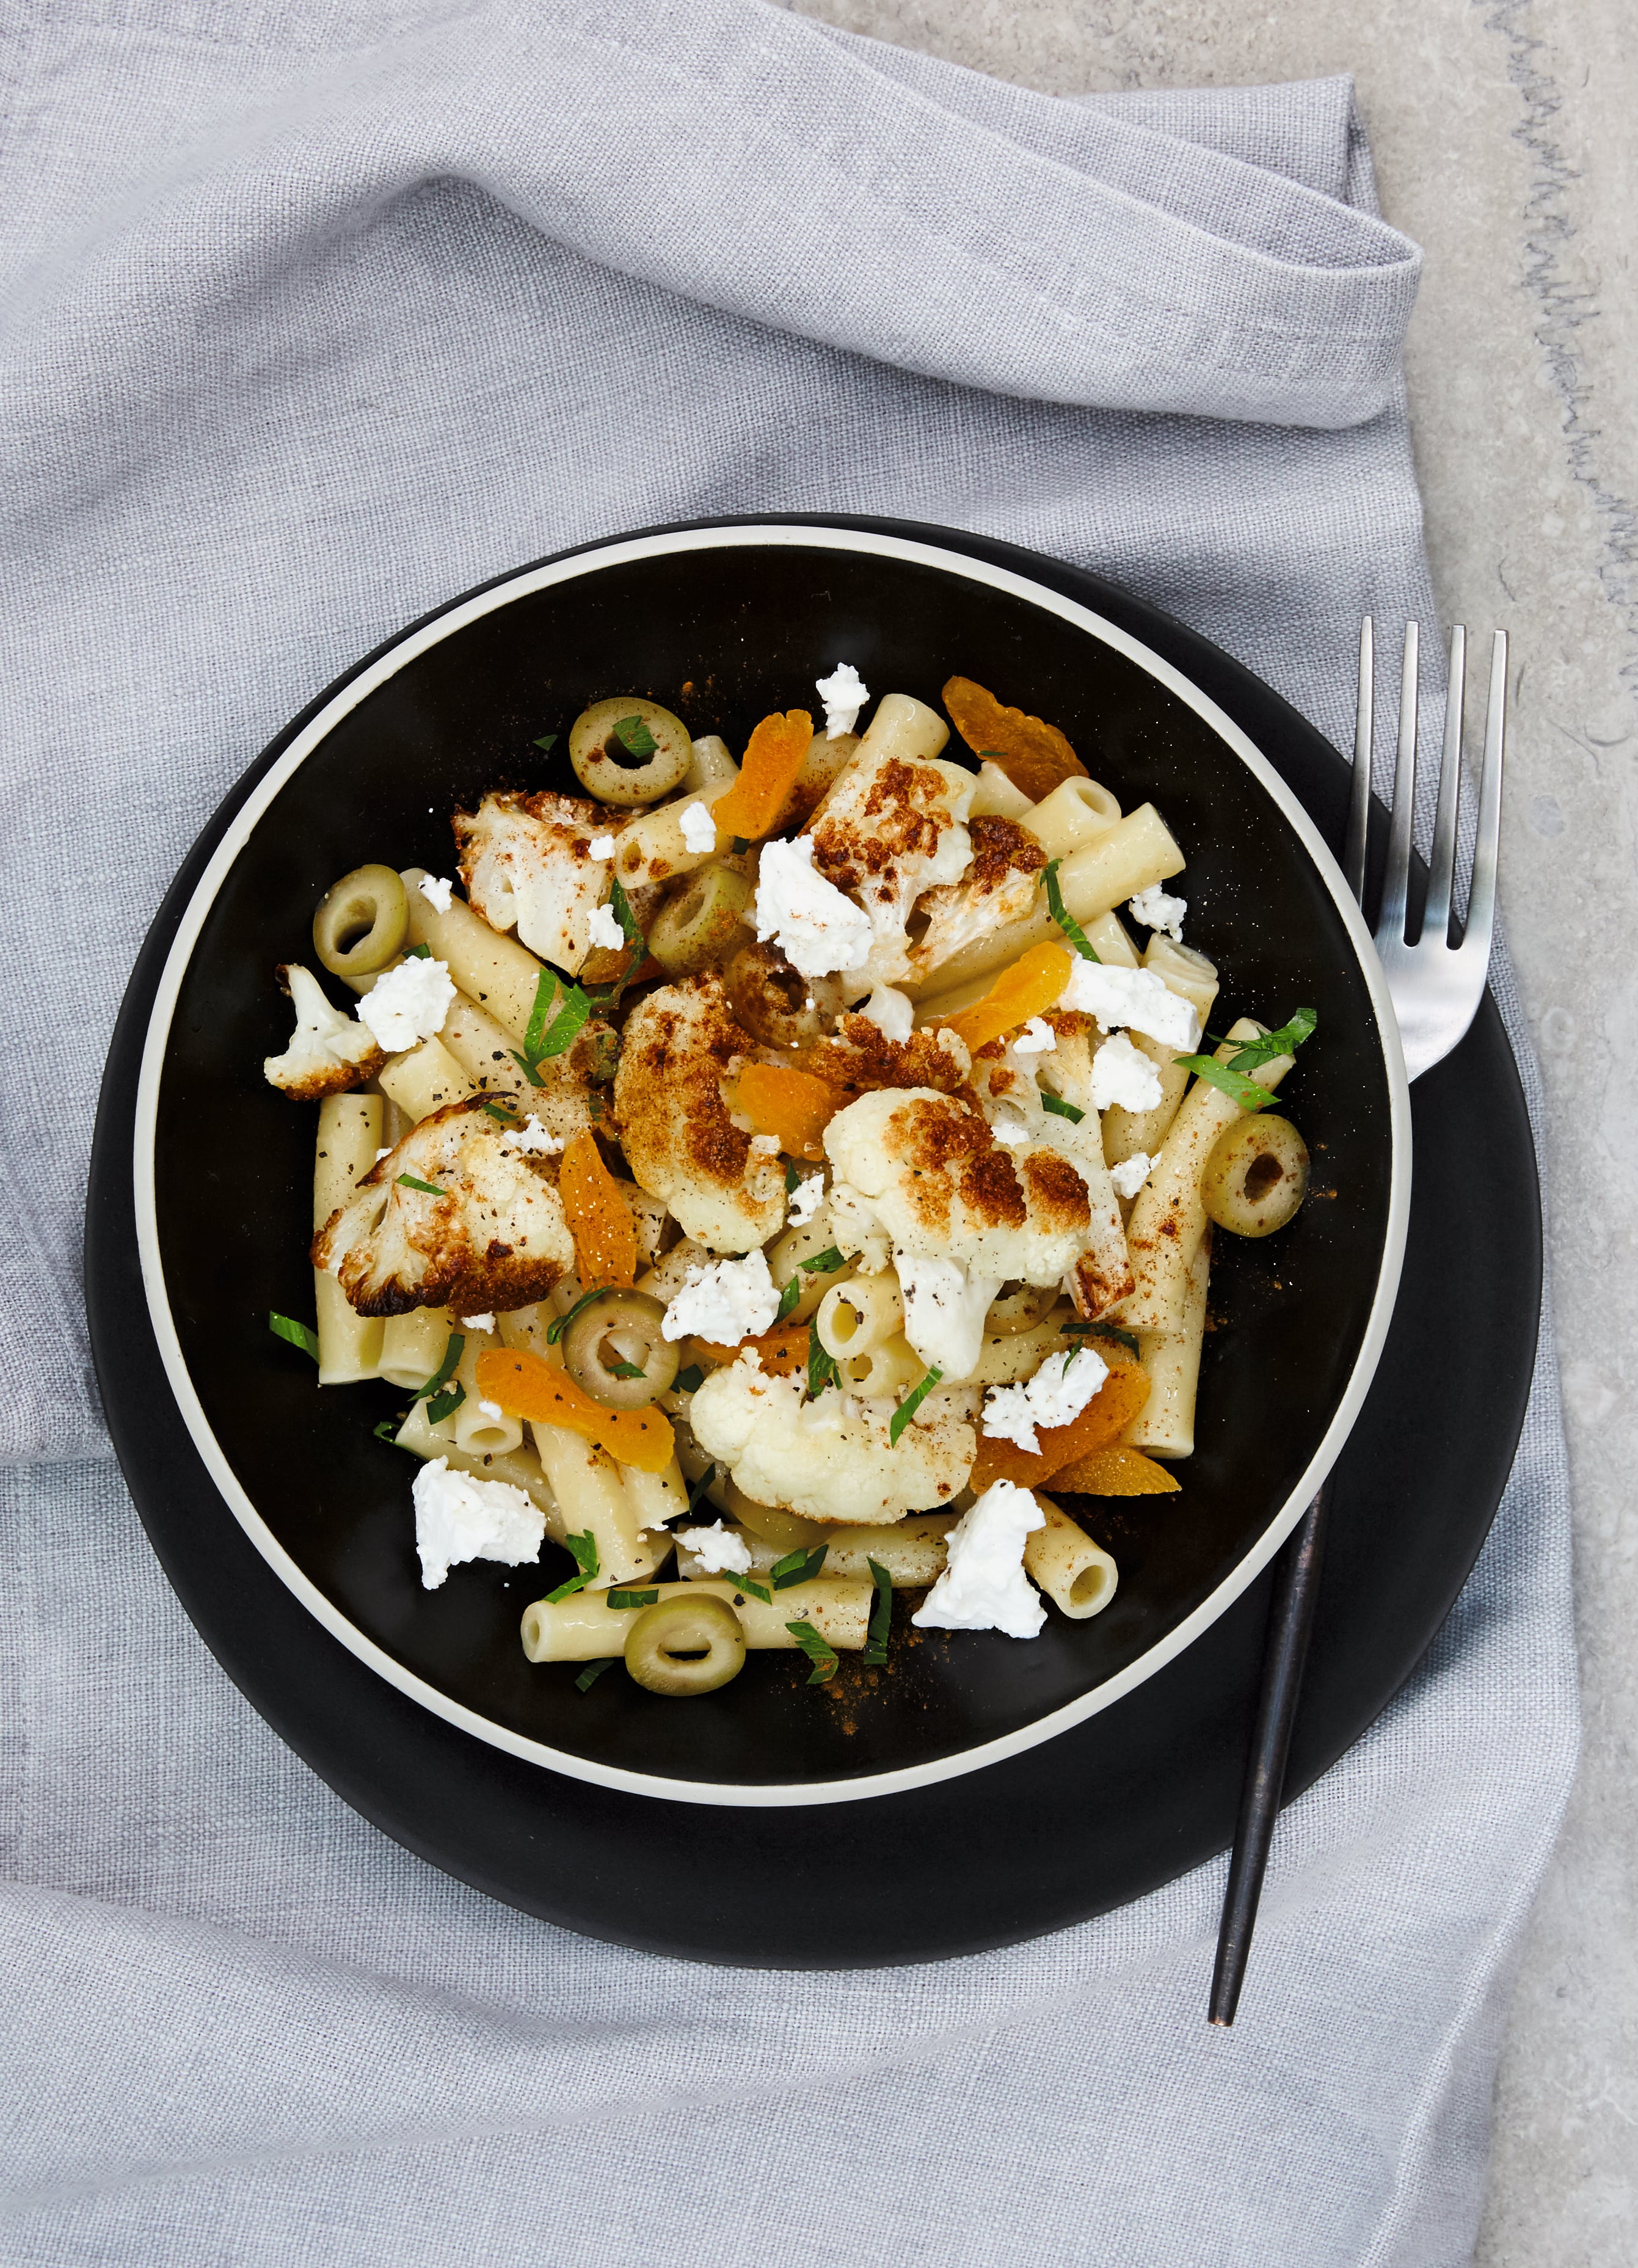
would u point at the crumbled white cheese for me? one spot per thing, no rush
(718, 1549)
(1123, 1076)
(1156, 910)
(1128, 1177)
(382, 1154)
(844, 694)
(766, 1145)
(491, 1410)
(890, 1011)
(477, 1322)
(1038, 1038)
(806, 1200)
(730, 1300)
(699, 829)
(1058, 1391)
(1010, 1130)
(604, 927)
(818, 929)
(459, 1518)
(1136, 997)
(533, 1139)
(436, 892)
(408, 1004)
(600, 846)
(984, 1586)
(945, 1311)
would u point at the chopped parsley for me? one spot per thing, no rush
(799, 1566)
(822, 1371)
(1060, 913)
(634, 736)
(689, 1380)
(439, 1395)
(419, 953)
(546, 740)
(1075, 1328)
(427, 1188)
(559, 1324)
(746, 1583)
(911, 1403)
(624, 1599)
(582, 1550)
(627, 1370)
(699, 1487)
(594, 1670)
(1232, 1077)
(1059, 1108)
(822, 1655)
(499, 1113)
(793, 1180)
(881, 1613)
(823, 1263)
(299, 1335)
(387, 1430)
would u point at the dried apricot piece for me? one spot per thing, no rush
(791, 1105)
(598, 1217)
(772, 761)
(1035, 756)
(1029, 988)
(526, 1385)
(1104, 1419)
(780, 1351)
(1115, 1471)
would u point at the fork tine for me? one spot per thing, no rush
(1359, 795)
(1481, 897)
(1436, 919)
(1390, 920)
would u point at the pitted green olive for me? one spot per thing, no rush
(361, 921)
(771, 999)
(699, 927)
(1256, 1176)
(617, 1334)
(686, 1645)
(629, 751)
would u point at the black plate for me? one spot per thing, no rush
(995, 1855)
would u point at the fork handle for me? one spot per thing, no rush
(1291, 1621)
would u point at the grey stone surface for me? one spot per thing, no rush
(1504, 142)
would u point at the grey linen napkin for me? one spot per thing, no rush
(313, 318)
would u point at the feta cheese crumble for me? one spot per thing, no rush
(844, 694)
(730, 1300)
(604, 927)
(436, 891)
(1058, 1391)
(408, 1005)
(1123, 1077)
(818, 930)
(1128, 1177)
(718, 1549)
(1136, 997)
(984, 1586)
(477, 1322)
(533, 1139)
(890, 1011)
(1038, 1038)
(699, 829)
(491, 1410)
(806, 1200)
(767, 1146)
(457, 1518)
(1156, 910)
(1010, 1130)
(600, 846)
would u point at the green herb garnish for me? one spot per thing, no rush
(445, 1404)
(559, 1324)
(503, 1115)
(582, 1550)
(745, 1583)
(634, 736)
(822, 1371)
(881, 1613)
(1060, 913)
(823, 1263)
(1230, 1076)
(454, 1347)
(1059, 1108)
(627, 1370)
(634, 937)
(594, 1670)
(793, 1180)
(1075, 1328)
(822, 1656)
(699, 1487)
(624, 1599)
(689, 1380)
(546, 740)
(299, 1335)
(427, 1188)
(799, 1566)
(911, 1403)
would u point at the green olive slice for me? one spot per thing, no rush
(361, 921)
(629, 751)
(686, 1645)
(775, 1003)
(1256, 1176)
(701, 925)
(595, 1361)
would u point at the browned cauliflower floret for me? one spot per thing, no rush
(527, 861)
(328, 1051)
(888, 831)
(494, 1237)
(680, 1139)
(998, 887)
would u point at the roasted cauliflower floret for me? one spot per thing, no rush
(328, 1051)
(998, 887)
(829, 1459)
(527, 862)
(859, 1057)
(682, 1047)
(493, 1238)
(891, 830)
(922, 1177)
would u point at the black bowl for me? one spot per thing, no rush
(723, 624)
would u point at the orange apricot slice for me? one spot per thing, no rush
(752, 804)
(526, 1385)
(1115, 1471)
(1035, 756)
(598, 1217)
(791, 1105)
(1104, 1419)
(1034, 983)
(780, 1351)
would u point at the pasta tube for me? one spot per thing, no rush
(1195, 978)
(1078, 1575)
(496, 971)
(521, 1469)
(651, 849)
(912, 1551)
(349, 1134)
(710, 770)
(585, 1480)
(995, 797)
(474, 1428)
(1164, 1426)
(481, 1046)
(585, 1628)
(424, 1079)
(1076, 812)
(864, 1313)
(414, 1345)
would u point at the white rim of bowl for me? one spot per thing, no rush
(359, 689)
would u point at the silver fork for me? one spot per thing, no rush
(1436, 986)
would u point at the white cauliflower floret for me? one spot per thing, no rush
(830, 1459)
(328, 1051)
(962, 1213)
(494, 1237)
(998, 887)
(682, 1048)
(527, 863)
(890, 830)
